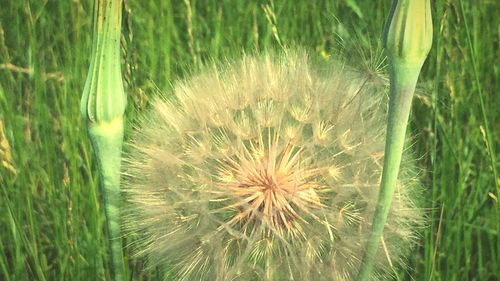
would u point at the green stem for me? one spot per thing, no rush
(408, 40)
(102, 106)
(107, 141)
(403, 82)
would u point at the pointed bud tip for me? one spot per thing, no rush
(408, 31)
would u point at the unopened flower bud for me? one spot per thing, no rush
(408, 31)
(103, 98)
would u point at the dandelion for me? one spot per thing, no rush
(266, 169)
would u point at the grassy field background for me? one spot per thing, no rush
(51, 224)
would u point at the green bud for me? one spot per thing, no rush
(408, 31)
(103, 98)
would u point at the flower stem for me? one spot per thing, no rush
(107, 142)
(403, 81)
(408, 39)
(102, 106)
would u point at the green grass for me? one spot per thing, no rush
(51, 227)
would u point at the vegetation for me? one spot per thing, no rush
(52, 227)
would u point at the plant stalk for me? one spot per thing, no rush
(407, 40)
(102, 106)
(401, 94)
(107, 142)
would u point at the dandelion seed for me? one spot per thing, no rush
(280, 184)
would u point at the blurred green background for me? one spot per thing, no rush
(51, 224)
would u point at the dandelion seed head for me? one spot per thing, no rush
(265, 169)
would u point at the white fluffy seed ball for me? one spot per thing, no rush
(266, 169)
